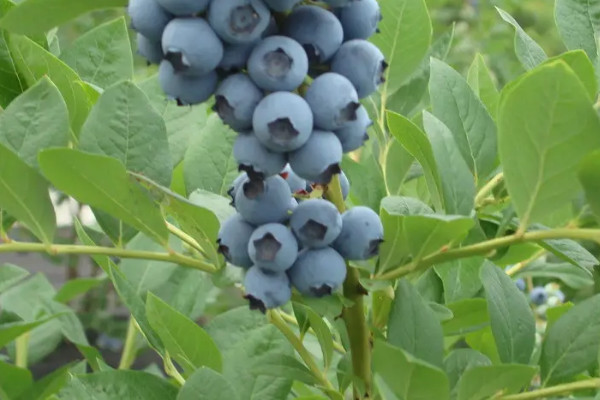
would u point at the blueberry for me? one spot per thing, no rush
(354, 134)
(283, 121)
(278, 63)
(560, 296)
(186, 53)
(148, 18)
(255, 159)
(235, 100)
(263, 202)
(316, 223)
(281, 5)
(235, 56)
(362, 63)
(186, 89)
(266, 290)
(319, 159)
(333, 101)
(520, 284)
(184, 7)
(317, 30)
(233, 241)
(339, 3)
(295, 183)
(273, 247)
(293, 204)
(538, 295)
(239, 21)
(318, 272)
(362, 233)
(360, 18)
(149, 49)
(236, 185)
(345, 184)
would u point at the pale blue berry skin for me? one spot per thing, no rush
(282, 106)
(187, 90)
(199, 56)
(316, 270)
(148, 18)
(278, 63)
(538, 296)
(233, 239)
(182, 8)
(362, 63)
(360, 19)
(239, 21)
(339, 3)
(345, 184)
(236, 99)
(283, 258)
(317, 30)
(272, 289)
(362, 231)
(333, 101)
(295, 182)
(236, 185)
(354, 134)
(316, 212)
(150, 50)
(269, 205)
(318, 160)
(520, 284)
(254, 158)
(281, 5)
(235, 56)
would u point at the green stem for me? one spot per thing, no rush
(485, 190)
(172, 371)
(54, 249)
(489, 246)
(190, 241)
(554, 390)
(290, 319)
(22, 350)
(129, 350)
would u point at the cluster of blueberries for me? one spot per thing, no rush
(288, 77)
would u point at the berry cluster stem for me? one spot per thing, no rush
(129, 351)
(552, 391)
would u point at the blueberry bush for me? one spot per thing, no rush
(297, 199)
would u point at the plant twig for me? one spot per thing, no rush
(190, 241)
(554, 390)
(172, 371)
(22, 350)
(129, 350)
(488, 187)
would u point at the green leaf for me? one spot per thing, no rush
(36, 16)
(324, 335)
(404, 38)
(70, 325)
(512, 320)
(578, 22)
(24, 194)
(50, 384)
(458, 186)
(396, 166)
(579, 62)
(407, 377)
(244, 338)
(14, 380)
(483, 341)
(34, 62)
(481, 81)
(10, 275)
(414, 327)
(35, 120)
(461, 360)
(206, 384)
(219, 205)
(282, 366)
(102, 182)
(544, 131)
(469, 315)
(184, 340)
(103, 55)
(11, 82)
(572, 277)
(367, 185)
(460, 278)
(26, 298)
(209, 163)
(455, 104)
(553, 314)
(571, 344)
(135, 134)
(76, 287)
(529, 53)
(480, 383)
(416, 143)
(589, 175)
(9, 332)
(118, 384)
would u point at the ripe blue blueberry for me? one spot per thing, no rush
(184, 7)
(319, 159)
(235, 56)
(359, 19)
(273, 247)
(239, 21)
(317, 30)
(295, 183)
(281, 5)
(293, 204)
(354, 134)
(316, 223)
(263, 202)
(283, 121)
(362, 63)
(538, 295)
(333, 101)
(345, 184)
(318, 272)
(278, 63)
(235, 100)
(362, 233)
(520, 284)
(186, 53)
(148, 18)
(150, 50)
(255, 159)
(186, 89)
(233, 241)
(266, 290)
(339, 3)
(235, 186)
